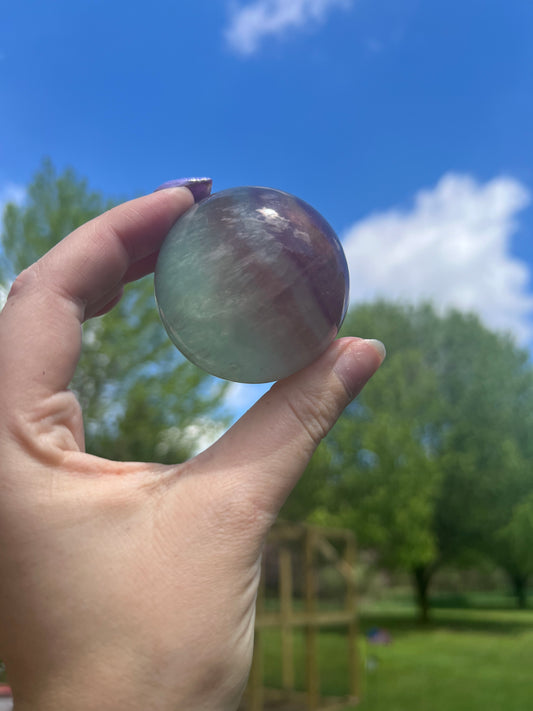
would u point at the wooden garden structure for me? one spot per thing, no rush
(336, 547)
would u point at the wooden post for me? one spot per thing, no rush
(285, 593)
(351, 606)
(311, 655)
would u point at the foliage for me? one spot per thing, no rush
(305, 499)
(514, 548)
(430, 461)
(131, 382)
(517, 536)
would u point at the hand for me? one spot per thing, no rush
(132, 585)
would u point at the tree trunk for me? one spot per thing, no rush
(421, 579)
(519, 583)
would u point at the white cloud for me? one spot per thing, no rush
(3, 296)
(196, 437)
(251, 23)
(451, 247)
(241, 396)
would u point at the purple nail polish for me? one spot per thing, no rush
(199, 187)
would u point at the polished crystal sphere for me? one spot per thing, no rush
(251, 284)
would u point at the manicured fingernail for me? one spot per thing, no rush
(199, 187)
(378, 345)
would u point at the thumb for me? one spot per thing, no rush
(263, 455)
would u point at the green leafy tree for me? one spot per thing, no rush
(308, 497)
(428, 463)
(514, 547)
(134, 387)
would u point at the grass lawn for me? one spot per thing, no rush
(466, 660)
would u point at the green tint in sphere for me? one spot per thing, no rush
(251, 284)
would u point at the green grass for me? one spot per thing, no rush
(465, 660)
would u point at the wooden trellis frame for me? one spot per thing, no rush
(313, 540)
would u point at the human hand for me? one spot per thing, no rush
(132, 585)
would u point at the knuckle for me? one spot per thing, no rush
(51, 428)
(312, 412)
(26, 279)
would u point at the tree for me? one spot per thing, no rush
(516, 540)
(427, 464)
(133, 384)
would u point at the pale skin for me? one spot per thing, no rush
(132, 585)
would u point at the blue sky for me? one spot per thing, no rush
(407, 123)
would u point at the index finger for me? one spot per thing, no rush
(40, 326)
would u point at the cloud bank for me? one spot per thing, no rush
(453, 248)
(251, 23)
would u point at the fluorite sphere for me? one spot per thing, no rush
(251, 284)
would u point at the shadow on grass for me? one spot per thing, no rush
(472, 612)
(456, 620)
(474, 601)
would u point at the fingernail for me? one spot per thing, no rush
(199, 187)
(355, 365)
(378, 345)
